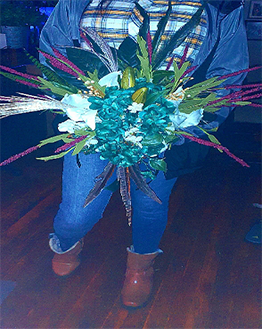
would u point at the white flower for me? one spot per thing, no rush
(79, 110)
(176, 97)
(110, 80)
(91, 141)
(130, 136)
(70, 126)
(183, 120)
(135, 107)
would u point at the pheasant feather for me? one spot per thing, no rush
(107, 55)
(124, 183)
(141, 183)
(100, 183)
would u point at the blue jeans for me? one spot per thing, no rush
(72, 221)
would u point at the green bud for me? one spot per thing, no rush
(128, 78)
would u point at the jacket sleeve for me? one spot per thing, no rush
(231, 55)
(226, 52)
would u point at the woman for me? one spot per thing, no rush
(217, 46)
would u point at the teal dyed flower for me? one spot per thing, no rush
(129, 131)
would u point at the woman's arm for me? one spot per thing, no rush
(62, 27)
(231, 55)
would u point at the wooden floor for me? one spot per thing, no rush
(208, 276)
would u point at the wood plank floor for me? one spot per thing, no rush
(208, 276)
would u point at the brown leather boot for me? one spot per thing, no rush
(138, 278)
(64, 263)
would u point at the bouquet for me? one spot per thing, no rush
(121, 105)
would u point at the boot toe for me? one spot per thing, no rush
(63, 269)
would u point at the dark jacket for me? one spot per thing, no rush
(224, 50)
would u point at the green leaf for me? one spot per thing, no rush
(214, 107)
(54, 139)
(18, 77)
(49, 73)
(56, 89)
(178, 73)
(144, 59)
(148, 174)
(79, 146)
(241, 103)
(212, 138)
(182, 132)
(94, 77)
(171, 138)
(160, 75)
(202, 87)
(152, 140)
(188, 104)
(55, 156)
(152, 98)
(158, 164)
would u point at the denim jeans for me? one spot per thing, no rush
(72, 221)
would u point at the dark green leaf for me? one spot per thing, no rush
(158, 164)
(127, 53)
(177, 39)
(160, 75)
(152, 98)
(144, 28)
(113, 186)
(161, 28)
(152, 140)
(86, 61)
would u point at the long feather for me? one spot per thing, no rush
(100, 183)
(124, 183)
(177, 39)
(105, 49)
(141, 183)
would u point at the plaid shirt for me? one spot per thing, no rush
(121, 19)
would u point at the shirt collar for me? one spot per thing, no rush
(145, 3)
